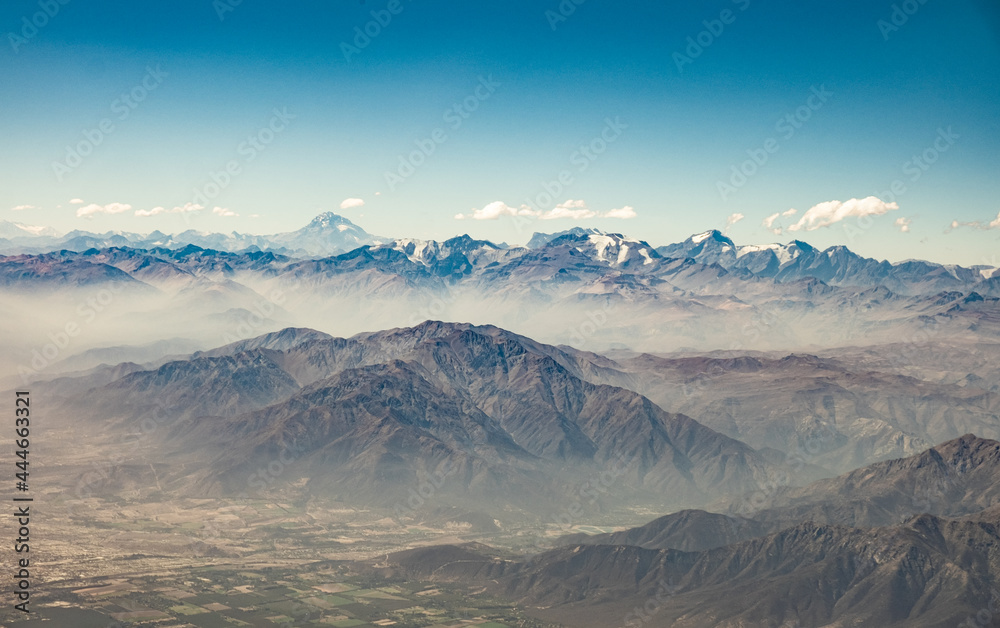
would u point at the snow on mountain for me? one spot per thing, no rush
(615, 249)
(782, 252)
(538, 240)
(432, 252)
(10, 229)
(327, 234)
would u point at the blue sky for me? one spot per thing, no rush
(306, 114)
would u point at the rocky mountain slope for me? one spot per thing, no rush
(958, 478)
(511, 418)
(698, 569)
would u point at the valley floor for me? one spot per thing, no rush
(216, 563)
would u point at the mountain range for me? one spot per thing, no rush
(515, 421)
(506, 410)
(585, 289)
(815, 432)
(695, 568)
(836, 265)
(327, 234)
(330, 234)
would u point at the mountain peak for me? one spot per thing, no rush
(11, 229)
(803, 246)
(327, 234)
(327, 219)
(969, 449)
(538, 239)
(712, 234)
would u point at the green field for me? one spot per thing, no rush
(270, 598)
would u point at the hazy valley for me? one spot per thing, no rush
(587, 430)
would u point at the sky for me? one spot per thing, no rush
(878, 122)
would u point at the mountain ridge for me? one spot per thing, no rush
(926, 570)
(357, 400)
(332, 234)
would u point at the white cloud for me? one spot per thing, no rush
(88, 211)
(222, 211)
(770, 220)
(577, 210)
(769, 223)
(977, 224)
(557, 213)
(21, 208)
(624, 213)
(156, 211)
(573, 209)
(733, 219)
(830, 212)
(76, 201)
(496, 209)
(350, 203)
(903, 224)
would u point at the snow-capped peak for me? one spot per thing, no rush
(617, 250)
(783, 252)
(601, 245)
